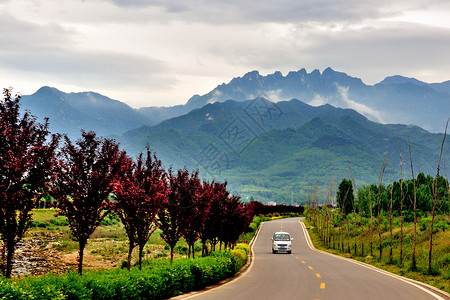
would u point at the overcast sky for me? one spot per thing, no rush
(161, 52)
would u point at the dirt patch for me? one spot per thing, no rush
(37, 257)
(41, 254)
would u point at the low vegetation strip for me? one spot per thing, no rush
(158, 279)
(439, 278)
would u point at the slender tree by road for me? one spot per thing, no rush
(27, 156)
(83, 185)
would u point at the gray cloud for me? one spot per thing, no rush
(168, 50)
(50, 51)
(249, 11)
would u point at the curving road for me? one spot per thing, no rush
(310, 274)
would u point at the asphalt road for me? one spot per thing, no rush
(309, 274)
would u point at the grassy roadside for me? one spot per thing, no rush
(158, 279)
(439, 280)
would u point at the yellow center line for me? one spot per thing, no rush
(311, 268)
(296, 257)
(318, 275)
(322, 285)
(303, 262)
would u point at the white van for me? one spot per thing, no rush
(281, 242)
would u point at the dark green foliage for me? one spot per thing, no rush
(158, 279)
(345, 196)
(424, 188)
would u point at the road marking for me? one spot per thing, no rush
(311, 268)
(303, 262)
(296, 257)
(406, 280)
(322, 285)
(318, 275)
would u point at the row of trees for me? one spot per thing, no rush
(403, 199)
(92, 177)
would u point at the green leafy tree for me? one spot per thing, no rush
(345, 196)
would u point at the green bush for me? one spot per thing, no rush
(39, 224)
(158, 279)
(60, 221)
(244, 247)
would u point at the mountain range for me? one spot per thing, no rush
(272, 137)
(396, 99)
(270, 150)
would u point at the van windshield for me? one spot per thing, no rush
(282, 237)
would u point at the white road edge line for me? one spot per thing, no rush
(407, 280)
(252, 242)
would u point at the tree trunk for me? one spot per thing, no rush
(10, 247)
(371, 224)
(401, 222)
(379, 235)
(362, 230)
(401, 205)
(171, 253)
(435, 200)
(348, 236)
(204, 248)
(415, 215)
(141, 251)
(390, 224)
(130, 251)
(82, 245)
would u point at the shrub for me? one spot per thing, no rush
(158, 279)
(244, 247)
(240, 257)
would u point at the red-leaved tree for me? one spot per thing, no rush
(216, 193)
(234, 220)
(83, 184)
(195, 209)
(179, 199)
(26, 160)
(138, 196)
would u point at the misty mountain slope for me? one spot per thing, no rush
(213, 121)
(71, 112)
(295, 147)
(398, 79)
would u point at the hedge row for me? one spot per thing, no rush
(158, 279)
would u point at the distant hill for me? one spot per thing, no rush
(71, 112)
(398, 79)
(396, 99)
(268, 150)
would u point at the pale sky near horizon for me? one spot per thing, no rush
(162, 52)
